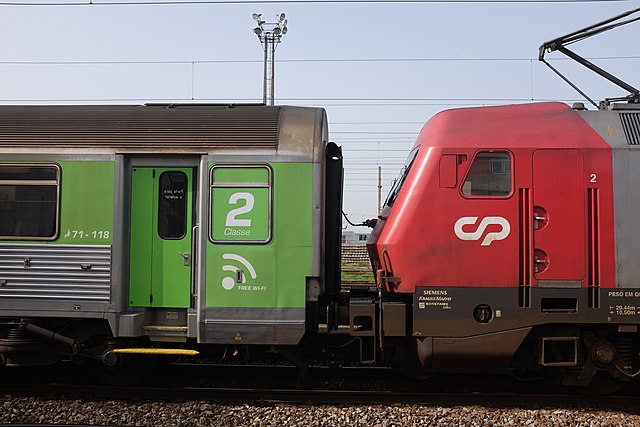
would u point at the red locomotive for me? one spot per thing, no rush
(511, 233)
(506, 229)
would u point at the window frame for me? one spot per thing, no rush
(398, 182)
(185, 205)
(468, 172)
(268, 185)
(35, 182)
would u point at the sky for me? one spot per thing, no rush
(380, 69)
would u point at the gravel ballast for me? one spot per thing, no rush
(114, 412)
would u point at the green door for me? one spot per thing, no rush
(161, 228)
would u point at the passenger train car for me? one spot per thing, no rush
(507, 244)
(126, 226)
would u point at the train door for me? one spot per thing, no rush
(559, 218)
(161, 236)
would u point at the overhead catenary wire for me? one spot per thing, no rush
(301, 60)
(362, 102)
(93, 3)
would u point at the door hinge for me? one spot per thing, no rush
(150, 298)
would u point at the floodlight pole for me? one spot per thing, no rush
(273, 73)
(264, 75)
(270, 35)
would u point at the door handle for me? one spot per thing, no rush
(540, 218)
(186, 258)
(194, 267)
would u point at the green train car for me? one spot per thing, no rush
(127, 228)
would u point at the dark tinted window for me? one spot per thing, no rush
(29, 202)
(172, 205)
(399, 181)
(490, 175)
(18, 173)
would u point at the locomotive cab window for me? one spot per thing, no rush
(396, 186)
(29, 201)
(489, 175)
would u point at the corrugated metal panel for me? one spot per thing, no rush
(55, 272)
(631, 126)
(140, 127)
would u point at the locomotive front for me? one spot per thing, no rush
(500, 238)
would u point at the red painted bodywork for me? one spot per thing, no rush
(560, 168)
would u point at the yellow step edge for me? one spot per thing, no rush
(165, 327)
(172, 351)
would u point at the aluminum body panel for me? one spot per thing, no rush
(55, 272)
(251, 325)
(626, 175)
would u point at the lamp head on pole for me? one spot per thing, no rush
(270, 35)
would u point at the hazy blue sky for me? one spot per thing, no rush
(380, 69)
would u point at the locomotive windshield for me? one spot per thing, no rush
(397, 183)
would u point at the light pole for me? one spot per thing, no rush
(270, 34)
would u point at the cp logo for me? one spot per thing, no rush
(486, 221)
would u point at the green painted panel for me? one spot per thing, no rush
(160, 277)
(273, 274)
(293, 192)
(255, 286)
(240, 214)
(291, 276)
(142, 201)
(87, 202)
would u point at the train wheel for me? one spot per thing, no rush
(409, 361)
(601, 384)
(598, 370)
(125, 370)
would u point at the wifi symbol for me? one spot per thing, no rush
(229, 282)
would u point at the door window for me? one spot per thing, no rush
(172, 205)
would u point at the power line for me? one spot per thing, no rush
(304, 60)
(361, 101)
(376, 123)
(372, 133)
(241, 2)
(373, 152)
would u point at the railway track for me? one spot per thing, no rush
(279, 384)
(334, 397)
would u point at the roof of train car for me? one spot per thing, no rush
(193, 127)
(536, 125)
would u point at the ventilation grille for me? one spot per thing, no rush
(55, 272)
(140, 128)
(631, 126)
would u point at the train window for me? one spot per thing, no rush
(397, 183)
(172, 205)
(489, 175)
(29, 201)
(241, 209)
